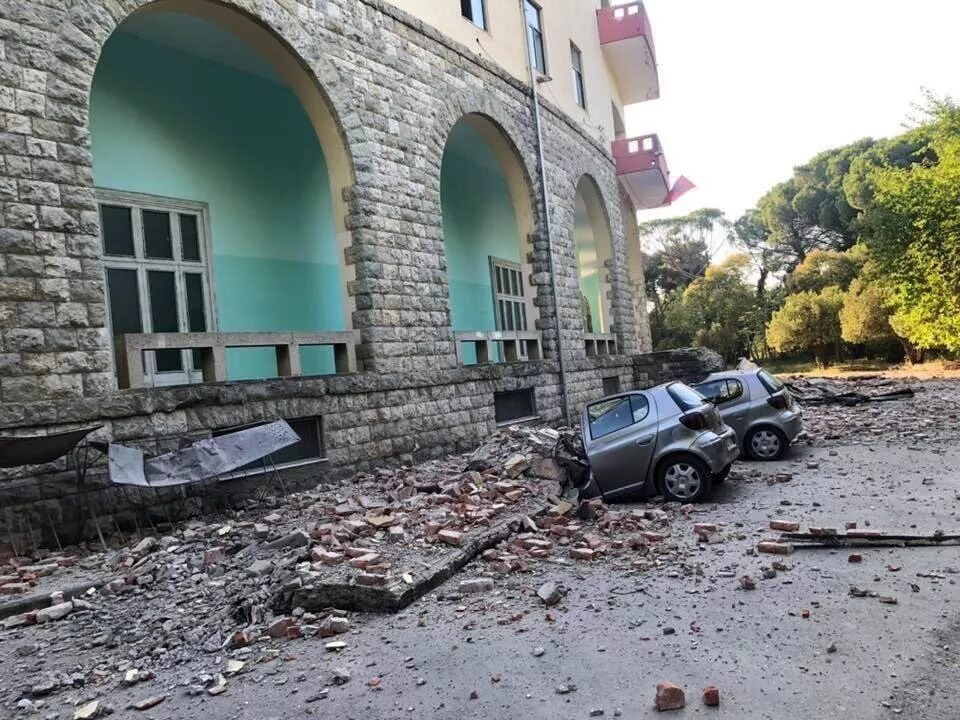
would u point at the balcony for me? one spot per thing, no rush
(642, 169)
(627, 43)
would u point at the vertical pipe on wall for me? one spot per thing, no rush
(541, 167)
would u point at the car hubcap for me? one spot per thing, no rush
(765, 444)
(682, 480)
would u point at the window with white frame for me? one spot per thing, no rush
(475, 11)
(534, 21)
(579, 89)
(156, 255)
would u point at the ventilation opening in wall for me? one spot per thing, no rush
(611, 385)
(309, 450)
(513, 406)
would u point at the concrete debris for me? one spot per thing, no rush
(86, 712)
(476, 585)
(550, 593)
(149, 702)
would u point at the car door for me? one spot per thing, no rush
(734, 405)
(621, 438)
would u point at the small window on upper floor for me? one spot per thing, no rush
(534, 21)
(475, 11)
(576, 62)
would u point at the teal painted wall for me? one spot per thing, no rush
(478, 222)
(168, 123)
(589, 258)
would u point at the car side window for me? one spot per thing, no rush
(734, 390)
(640, 406)
(609, 416)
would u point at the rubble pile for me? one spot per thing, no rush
(913, 411)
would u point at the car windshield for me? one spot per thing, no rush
(770, 382)
(685, 396)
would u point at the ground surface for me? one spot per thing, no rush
(619, 631)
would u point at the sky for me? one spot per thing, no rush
(751, 88)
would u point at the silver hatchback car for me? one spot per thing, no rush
(667, 439)
(758, 407)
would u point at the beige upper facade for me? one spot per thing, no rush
(565, 23)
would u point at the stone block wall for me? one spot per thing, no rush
(395, 88)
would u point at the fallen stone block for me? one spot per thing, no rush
(298, 538)
(54, 612)
(549, 593)
(669, 696)
(476, 585)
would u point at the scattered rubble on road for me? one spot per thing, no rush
(847, 391)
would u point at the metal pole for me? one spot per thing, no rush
(535, 100)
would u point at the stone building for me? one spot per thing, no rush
(348, 213)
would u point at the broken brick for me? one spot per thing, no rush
(711, 696)
(784, 525)
(278, 628)
(364, 561)
(855, 558)
(450, 537)
(669, 696)
(578, 553)
(476, 585)
(371, 580)
(774, 548)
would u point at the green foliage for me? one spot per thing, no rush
(864, 317)
(681, 249)
(825, 268)
(808, 322)
(810, 210)
(911, 224)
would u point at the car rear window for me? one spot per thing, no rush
(685, 396)
(770, 382)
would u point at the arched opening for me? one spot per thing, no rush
(594, 249)
(219, 170)
(487, 220)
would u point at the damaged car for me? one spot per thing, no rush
(667, 440)
(758, 407)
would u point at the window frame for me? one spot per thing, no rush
(535, 34)
(484, 17)
(579, 83)
(142, 265)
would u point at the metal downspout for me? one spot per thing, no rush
(535, 100)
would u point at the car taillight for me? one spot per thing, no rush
(694, 421)
(777, 401)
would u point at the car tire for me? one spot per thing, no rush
(765, 443)
(722, 475)
(684, 478)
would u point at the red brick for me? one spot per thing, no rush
(784, 525)
(711, 696)
(450, 537)
(318, 554)
(652, 536)
(581, 553)
(669, 696)
(14, 588)
(278, 628)
(855, 558)
(775, 548)
(704, 527)
(371, 580)
(364, 561)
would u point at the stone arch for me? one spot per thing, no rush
(277, 37)
(595, 251)
(480, 166)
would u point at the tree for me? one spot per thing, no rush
(751, 234)
(718, 306)
(810, 210)
(808, 322)
(679, 249)
(865, 316)
(911, 224)
(825, 268)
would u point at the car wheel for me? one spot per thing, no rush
(684, 478)
(765, 443)
(722, 475)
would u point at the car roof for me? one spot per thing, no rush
(625, 393)
(725, 374)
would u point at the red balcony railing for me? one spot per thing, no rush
(642, 168)
(627, 42)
